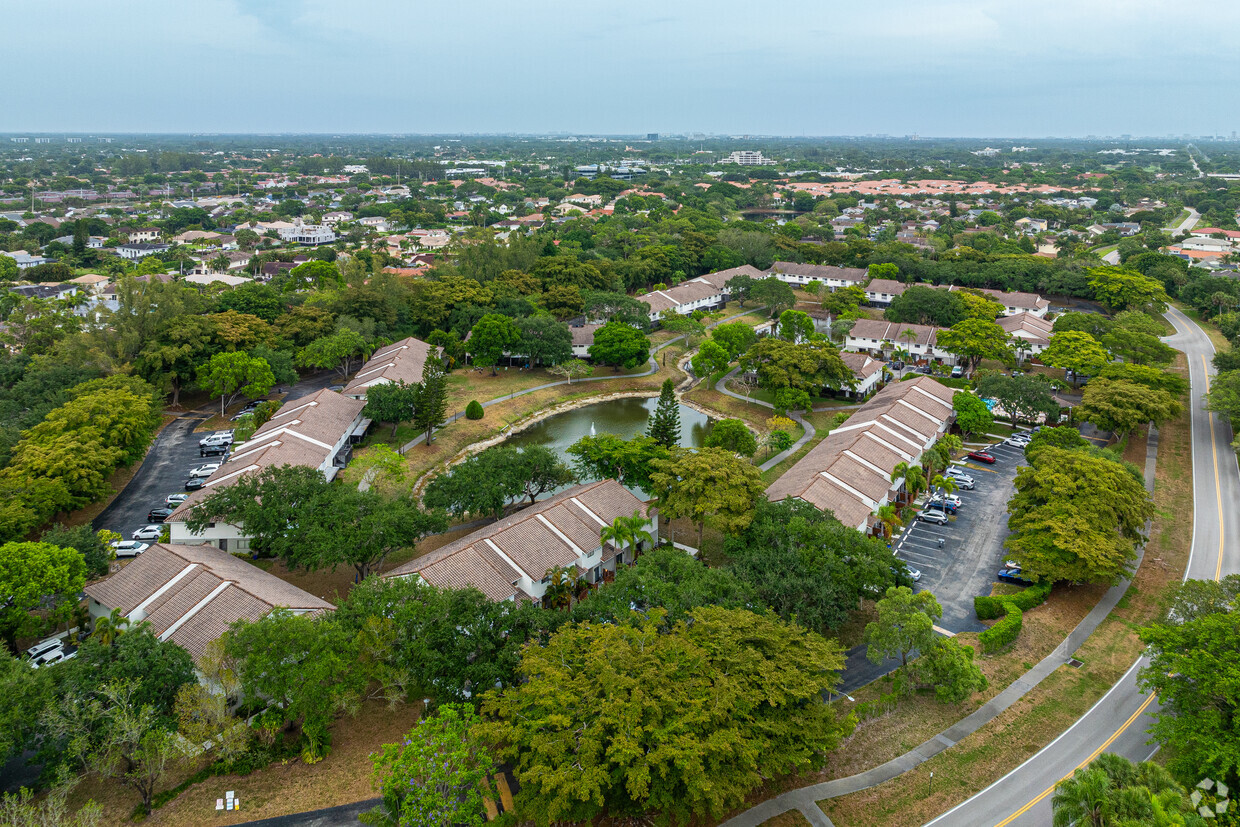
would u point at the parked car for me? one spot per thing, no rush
(1019, 439)
(205, 471)
(194, 483)
(173, 500)
(947, 498)
(54, 656)
(1013, 576)
(159, 515)
(128, 548)
(215, 449)
(43, 647)
(1018, 372)
(957, 372)
(982, 456)
(962, 480)
(914, 573)
(897, 365)
(949, 506)
(217, 438)
(926, 369)
(148, 532)
(933, 515)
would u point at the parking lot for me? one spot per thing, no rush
(964, 566)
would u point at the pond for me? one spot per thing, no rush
(623, 417)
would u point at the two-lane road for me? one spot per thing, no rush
(1118, 722)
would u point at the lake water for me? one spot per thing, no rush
(623, 417)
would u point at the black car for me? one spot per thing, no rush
(158, 515)
(897, 365)
(1013, 575)
(212, 450)
(194, 483)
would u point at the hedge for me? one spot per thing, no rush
(988, 608)
(1005, 632)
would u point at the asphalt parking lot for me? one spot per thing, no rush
(972, 543)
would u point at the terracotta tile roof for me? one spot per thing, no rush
(191, 594)
(860, 364)
(1027, 326)
(404, 360)
(583, 334)
(889, 286)
(721, 278)
(821, 272)
(535, 539)
(851, 469)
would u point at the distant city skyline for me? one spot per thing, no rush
(949, 68)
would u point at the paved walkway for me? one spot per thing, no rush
(806, 799)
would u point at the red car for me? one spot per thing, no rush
(982, 456)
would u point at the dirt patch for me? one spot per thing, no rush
(792, 818)
(291, 787)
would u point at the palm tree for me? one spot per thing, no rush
(1082, 799)
(914, 478)
(626, 532)
(561, 588)
(108, 629)
(889, 516)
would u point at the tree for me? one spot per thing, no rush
(52, 810)
(539, 471)
(734, 337)
(1138, 348)
(711, 486)
(914, 477)
(305, 666)
(665, 578)
(1114, 791)
(972, 414)
(773, 293)
(31, 575)
(708, 682)
(1193, 652)
(1150, 377)
(807, 367)
(921, 304)
(1076, 516)
(1121, 289)
(26, 692)
(545, 341)
(607, 456)
(664, 425)
(336, 352)
(1076, 351)
(978, 305)
(732, 435)
(113, 734)
(806, 565)
(360, 529)
(490, 481)
(626, 532)
(394, 402)
(492, 336)
(905, 624)
(431, 409)
(740, 287)
(570, 368)
(109, 627)
(438, 775)
(619, 345)
(976, 339)
(795, 326)
(228, 374)
(1119, 406)
(948, 668)
(270, 505)
(1020, 397)
(313, 275)
(154, 670)
(710, 359)
(281, 363)
(92, 545)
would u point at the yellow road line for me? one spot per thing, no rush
(1140, 711)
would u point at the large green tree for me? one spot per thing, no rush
(664, 424)
(431, 409)
(732, 435)
(1076, 351)
(608, 456)
(228, 374)
(1076, 516)
(336, 351)
(708, 487)
(807, 367)
(544, 340)
(493, 336)
(1119, 406)
(905, 624)
(972, 414)
(976, 339)
(1021, 397)
(665, 578)
(394, 402)
(33, 575)
(685, 721)
(1121, 289)
(621, 346)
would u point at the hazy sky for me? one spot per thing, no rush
(782, 67)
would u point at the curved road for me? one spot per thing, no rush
(1118, 722)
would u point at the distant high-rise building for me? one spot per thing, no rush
(652, 136)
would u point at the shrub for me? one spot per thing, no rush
(474, 410)
(1005, 632)
(988, 608)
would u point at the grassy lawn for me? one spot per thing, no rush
(1179, 219)
(1102, 251)
(1066, 694)
(792, 818)
(706, 396)
(281, 789)
(1216, 337)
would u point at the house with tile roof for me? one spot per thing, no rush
(849, 472)
(511, 559)
(191, 594)
(1016, 302)
(868, 373)
(1031, 334)
(882, 292)
(403, 361)
(879, 337)
(316, 431)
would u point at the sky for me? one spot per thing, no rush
(967, 68)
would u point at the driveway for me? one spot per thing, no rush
(972, 544)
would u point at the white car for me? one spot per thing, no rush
(129, 548)
(205, 471)
(220, 438)
(1019, 439)
(933, 515)
(951, 498)
(173, 500)
(914, 573)
(148, 532)
(44, 647)
(54, 656)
